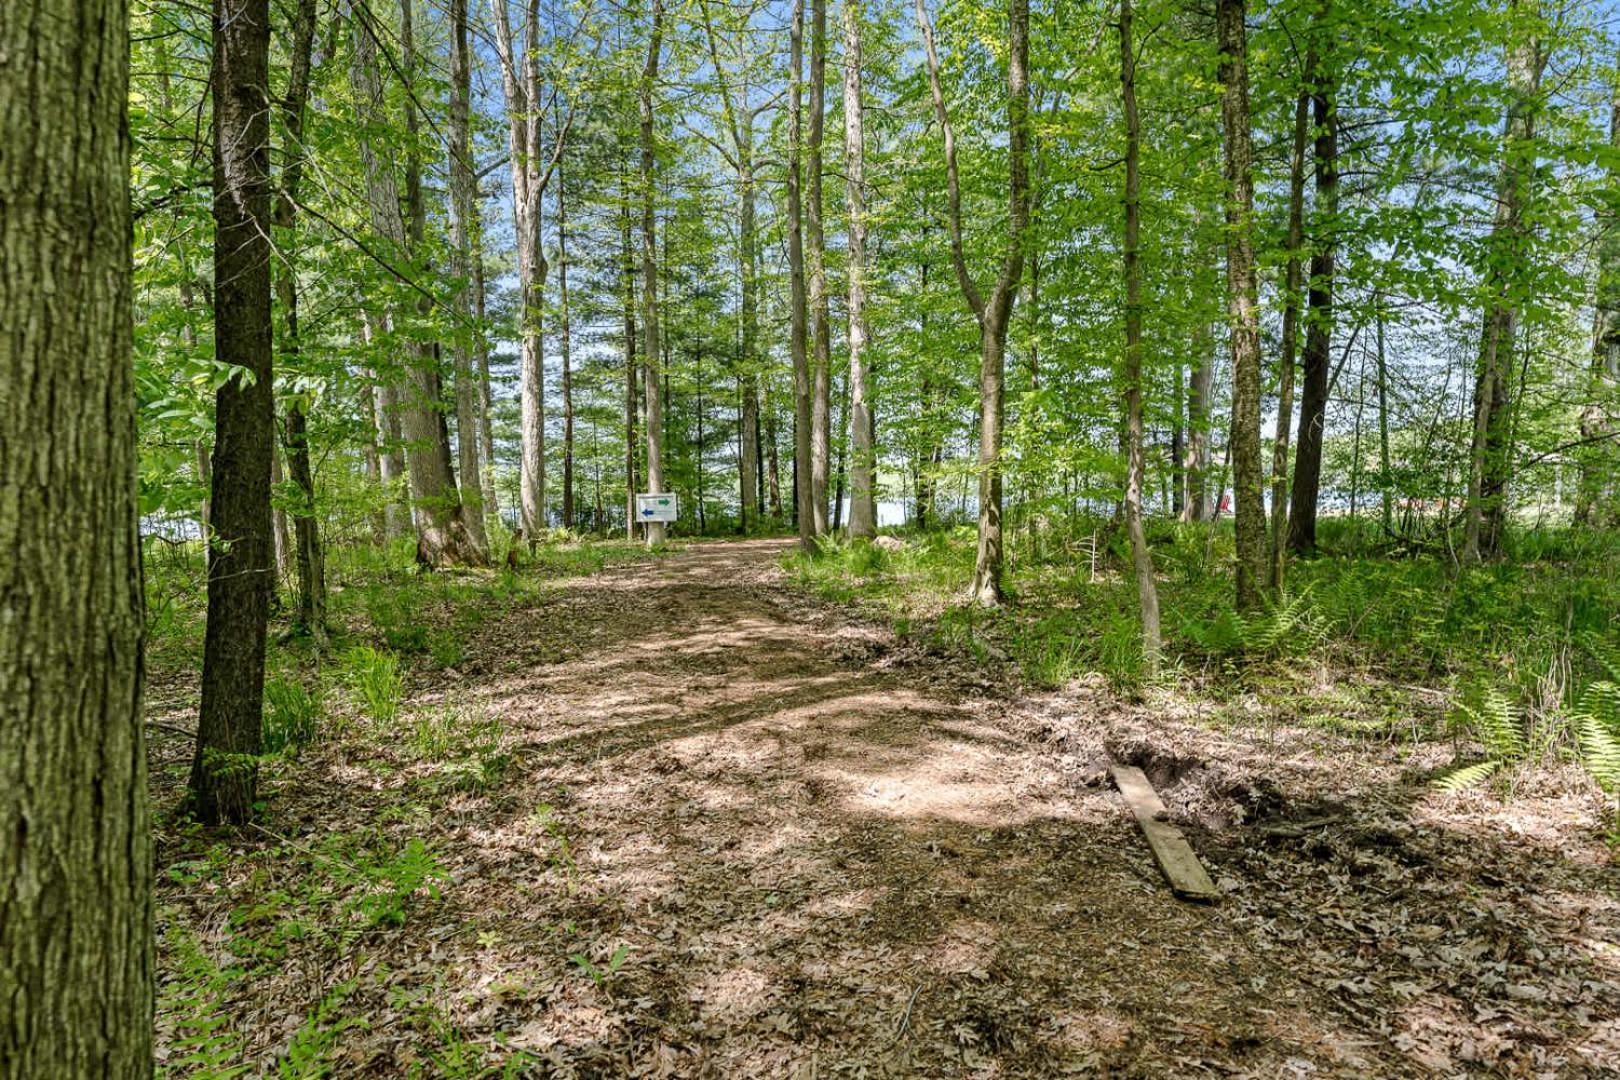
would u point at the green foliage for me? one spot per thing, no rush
(600, 974)
(374, 675)
(1501, 733)
(386, 887)
(1597, 726)
(203, 1044)
(290, 717)
(309, 1056)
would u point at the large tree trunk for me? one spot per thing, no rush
(1319, 327)
(1135, 460)
(76, 858)
(649, 270)
(1249, 517)
(1289, 355)
(820, 325)
(994, 312)
(1490, 457)
(436, 505)
(309, 612)
(240, 576)
(803, 443)
(467, 331)
(863, 464)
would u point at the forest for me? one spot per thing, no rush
(743, 538)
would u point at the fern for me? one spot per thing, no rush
(1497, 727)
(1467, 776)
(1597, 730)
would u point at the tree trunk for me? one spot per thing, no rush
(1491, 453)
(863, 463)
(309, 612)
(1319, 327)
(803, 442)
(1290, 332)
(240, 577)
(486, 428)
(1249, 517)
(1141, 557)
(436, 505)
(649, 271)
(631, 387)
(820, 326)
(995, 311)
(76, 859)
(1200, 403)
(468, 332)
(1598, 501)
(566, 332)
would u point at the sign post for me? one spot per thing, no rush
(657, 506)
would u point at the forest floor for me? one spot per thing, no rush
(717, 827)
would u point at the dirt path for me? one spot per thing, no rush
(824, 864)
(739, 834)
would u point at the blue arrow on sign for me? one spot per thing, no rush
(648, 512)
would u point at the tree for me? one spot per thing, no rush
(240, 575)
(993, 312)
(310, 612)
(798, 312)
(1597, 502)
(531, 175)
(1286, 361)
(1490, 455)
(820, 326)
(463, 183)
(649, 269)
(1249, 516)
(863, 463)
(1319, 321)
(1135, 460)
(76, 956)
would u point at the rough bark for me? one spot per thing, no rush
(863, 463)
(1249, 516)
(467, 331)
(649, 269)
(1289, 354)
(1136, 465)
(1485, 515)
(798, 332)
(820, 324)
(240, 575)
(75, 840)
(994, 311)
(1318, 328)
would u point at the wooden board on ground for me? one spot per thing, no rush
(1181, 867)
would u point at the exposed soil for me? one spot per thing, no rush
(831, 854)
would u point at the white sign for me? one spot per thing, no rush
(657, 507)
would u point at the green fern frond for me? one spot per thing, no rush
(1597, 730)
(1468, 776)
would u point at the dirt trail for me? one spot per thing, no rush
(740, 834)
(827, 864)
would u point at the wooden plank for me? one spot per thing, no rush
(1181, 867)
